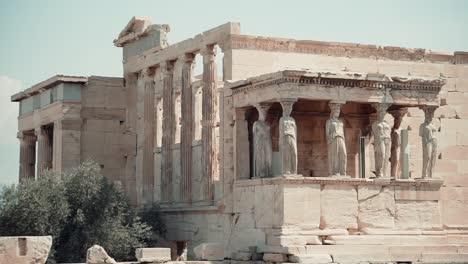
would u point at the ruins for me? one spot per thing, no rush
(281, 150)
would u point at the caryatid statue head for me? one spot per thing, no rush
(429, 113)
(262, 109)
(287, 106)
(381, 110)
(335, 109)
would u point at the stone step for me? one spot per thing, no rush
(360, 249)
(414, 240)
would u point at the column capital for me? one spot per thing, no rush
(147, 74)
(208, 53)
(186, 58)
(287, 105)
(26, 136)
(262, 109)
(167, 68)
(398, 113)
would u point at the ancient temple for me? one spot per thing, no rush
(276, 150)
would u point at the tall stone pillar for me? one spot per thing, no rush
(27, 156)
(262, 143)
(395, 151)
(148, 119)
(186, 128)
(168, 131)
(209, 114)
(45, 151)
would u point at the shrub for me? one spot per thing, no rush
(78, 208)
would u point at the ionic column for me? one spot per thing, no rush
(428, 134)
(148, 115)
(382, 141)
(186, 128)
(44, 159)
(168, 131)
(27, 156)
(288, 138)
(209, 114)
(396, 142)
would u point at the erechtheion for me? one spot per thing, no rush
(279, 150)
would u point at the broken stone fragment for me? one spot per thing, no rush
(97, 255)
(25, 250)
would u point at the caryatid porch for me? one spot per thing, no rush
(330, 124)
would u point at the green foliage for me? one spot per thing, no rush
(78, 208)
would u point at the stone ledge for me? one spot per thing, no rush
(338, 181)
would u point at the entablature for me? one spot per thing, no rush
(344, 86)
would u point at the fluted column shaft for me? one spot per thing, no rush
(186, 128)
(148, 115)
(27, 156)
(209, 114)
(168, 131)
(44, 159)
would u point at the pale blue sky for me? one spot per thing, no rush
(39, 39)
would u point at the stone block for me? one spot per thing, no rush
(244, 256)
(209, 251)
(454, 193)
(243, 197)
(376, 210)
(413, 193)
(268, 206)
(310, 258)
(301, 205)
(153, 254)
(25, 250)
(243, 238)
(417, 214)
(275, 257)
(387, 240)
(286, 240)
(444, 258)
(97, 255)
(339, 207)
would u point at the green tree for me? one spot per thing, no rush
(78, 208)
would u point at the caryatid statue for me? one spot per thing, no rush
(396, 142)
(382, 141)
(262, 143)
(288, 138)
(427, 131)
(337, 156)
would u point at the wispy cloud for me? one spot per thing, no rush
(9, 146)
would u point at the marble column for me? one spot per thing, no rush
(209, 121)
(148, 119)
(395, 151)
(168, 131)
(288, 138)
(186, 128)
(45, 151)
(428, 134)
(27, 156)
(382, 141)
